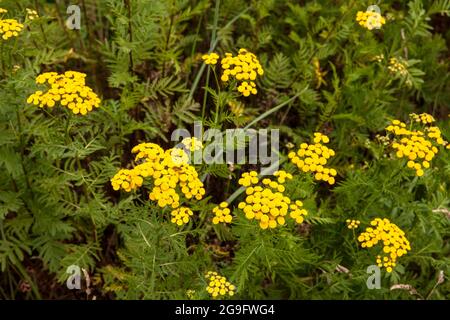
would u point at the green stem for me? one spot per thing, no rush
(212, 47)
(67, 128)
(216, 118)
(274, 109)
(205, 95)
(22, 152)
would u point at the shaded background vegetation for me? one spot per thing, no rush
(143, 58)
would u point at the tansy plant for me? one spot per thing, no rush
(174, 181)
(370, 19)
(9, 27)
(266, 202)
(417, 143)
(244, 68)
(68, 89)
(393, 240)
(218, 286)
(314, 158)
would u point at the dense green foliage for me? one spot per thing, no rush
(143, 58)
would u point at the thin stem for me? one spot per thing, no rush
(274, 109)
(22, 152)
(130, 33)
(212, 47)
(205, 95)
(216, 118)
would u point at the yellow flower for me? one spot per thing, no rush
(127, 180)
(210, 58)
(314, 157)
(424, 118)
(390, 236)
(222, 214)
(417, 146)
(9, 27)
(218, 286)
(268, 204)
(32, 14)
(192, 144)
(181, 215)
(171, 174)
(398, 66)
(352, 224)
(370, 19)
(68, 89)
(245, 68)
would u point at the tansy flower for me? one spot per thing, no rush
(190, 293)
(352, 224)
(9, 28)
(127, 180)
(398, 66)
(218, 286)
(313, 158)
(192, 144)
(245, 68)
(393, 239)
(378, 58)
(424, 118)
(210, 58)
(181, 215)
(266, 203)
(3, 10)
(370, 19)
(68, 89)
(32, 14)
(222, 214)
(416, 146)
(171, 174)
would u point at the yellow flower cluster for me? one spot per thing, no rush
(210, 58)
(248, 178)
(218, 285)
(181, 215)
(268, 204)
(69, 89)
(3, 10)
(9, 27)
(435, 134)
(127, 180)
(192, 144)
(414, 145)
(148, 151)
(32, 14)
(370, 19)
(398, 66)
(222, 213)
(190, 293)
(352, 224)
(424, 118)
(314, 157)
(170, 172)
(393, 238)
(378, 58)
(244, 67)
